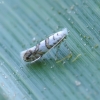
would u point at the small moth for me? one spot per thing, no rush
(36, 52)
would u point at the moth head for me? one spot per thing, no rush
(27, 55)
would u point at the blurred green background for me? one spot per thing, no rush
(73, 76)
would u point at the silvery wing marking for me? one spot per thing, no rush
(36, 52)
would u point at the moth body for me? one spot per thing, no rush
(36, 52)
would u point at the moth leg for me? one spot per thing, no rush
(58, 46)
(35, 60)
(57, 50)
(65, 44)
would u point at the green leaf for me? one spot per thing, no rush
(74, 75)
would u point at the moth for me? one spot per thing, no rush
(36, 52)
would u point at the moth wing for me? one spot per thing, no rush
(55, 45)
